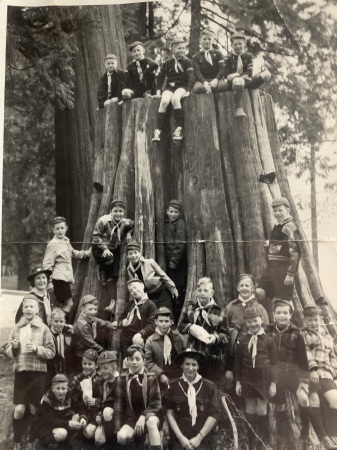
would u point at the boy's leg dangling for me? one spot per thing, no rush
(238, 86)
(161, 119)
(179, 122)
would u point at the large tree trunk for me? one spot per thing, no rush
(75, 128)
(215, 173)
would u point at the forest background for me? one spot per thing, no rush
(297, 41)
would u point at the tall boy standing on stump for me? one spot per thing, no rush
(180, 78)
(238, 71)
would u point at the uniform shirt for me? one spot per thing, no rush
(58, 257)
(175, 240)
(109, 234)
(283, 245)
(132, 79)
(85, 334)
(231, 64)
(184, 78)
(116, 87)
(41, 336)
(291, 351)
(204, 70)
(320, 352)
(84, 410)
(236, 310)
(145, 325)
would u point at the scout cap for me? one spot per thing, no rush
(177, 41)
(106, 357)
(58, 219)
(310, 311)
(244, 275)
(252, 312)
(134, 44)
(117, 203)
(207, 31)
(36, 271)
(281, 302)
(279, 202)
(90, 354)
(175, 204)
(110, 56)
(60, 378)
(163, 311)
(238, 36)
(134, 280)
(190, 353)
(88, 299)
(133, 245)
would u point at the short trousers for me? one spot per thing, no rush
(62, 290)
(174, 88)
(286, 381)
(325, 385)
(29, 386)
(260, 391)
(132, 420)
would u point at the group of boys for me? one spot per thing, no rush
(83, 406)
(208, 71)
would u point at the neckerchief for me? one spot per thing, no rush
(202, 309)
(245, 302)
(282, 330)
(167, 347)
(109, 82)
(94, 329)
(239, 66)
(116, 227)
(139, 69)
(134, 310)
(252, 344)
(106, 383)
(45, 301)
(208, 57)
(59, 338)
(134, 268)
(177, 65)
(142, 381)
(192, 396)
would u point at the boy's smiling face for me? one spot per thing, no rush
(136, 362)
(179, 50)
(111, 64)
(206, 41)
(108, 370)
(40, 281)
(282, 316)
(312, 322)
(254, 325)
(60, 229)
(88, 366)
(246, 288)
(136, 290)
(30, 309)
(138, 52)
(60, 390)
(57, 323)
(280, 213)
(90, 310)
(173, 213)
(133, 256)
(238, 46)
(205, 293)
(117, 213)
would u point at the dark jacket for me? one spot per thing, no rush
(117, 82)
(145, 326)
(291, 351)
(151, 396)
(102, 234)
(178, 79)
(85, 334)
(132, 79)
(154, 358)
(204, 70)
(175, 240)
(231, 62)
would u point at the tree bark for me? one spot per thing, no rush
(195, 26)
(313, 206)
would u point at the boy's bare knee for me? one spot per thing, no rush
(331, 397)
(152, 423)
(265, 75)
(303, 399)
(127, 94)
(89, 431)
(176, 103)
(60, 434)
(314, 400)
(32, 409)
(108, 414)
(164, 105)
(19, 411)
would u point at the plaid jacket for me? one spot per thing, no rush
(291, 351)
(218, 326)
(320, 352)
(45, 348)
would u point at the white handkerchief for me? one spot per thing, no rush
(25, 337)
(86, 386)
(200, 333)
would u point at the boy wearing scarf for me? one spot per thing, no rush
(138, 403)
(38, 279)
(238, 71)
(111, 83)
(110, 232)
(56, 419)
(206, 325)
(180, 79)
(256, 373)
(140, 73)
(30, 344)
(137, 320)
(292, 375)
(162, 347)
(284, 256)
(192, 405)
(208, 66)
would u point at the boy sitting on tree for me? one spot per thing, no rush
(111, 83)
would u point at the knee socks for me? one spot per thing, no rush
(317, 422)
(179, 117)
(161, 119)
(251, 428)
(305, 421)
(18, 429)
(263, 430)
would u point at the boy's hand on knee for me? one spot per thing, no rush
(272, 390)
(140, 425)
(314, 377)
(238, 388)
(74, 425)
(83, 422)
(289, 280)
(158, 94)
(232, 76)
(98, 419)
(207, 87)
(214, 83)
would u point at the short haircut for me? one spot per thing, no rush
(282, 304)
(30, 298)
(205, 280)
(245, 275)
(58, 312)
(312, 311)
(94, 301)
(133, 349)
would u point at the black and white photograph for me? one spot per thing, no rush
(168, 238)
